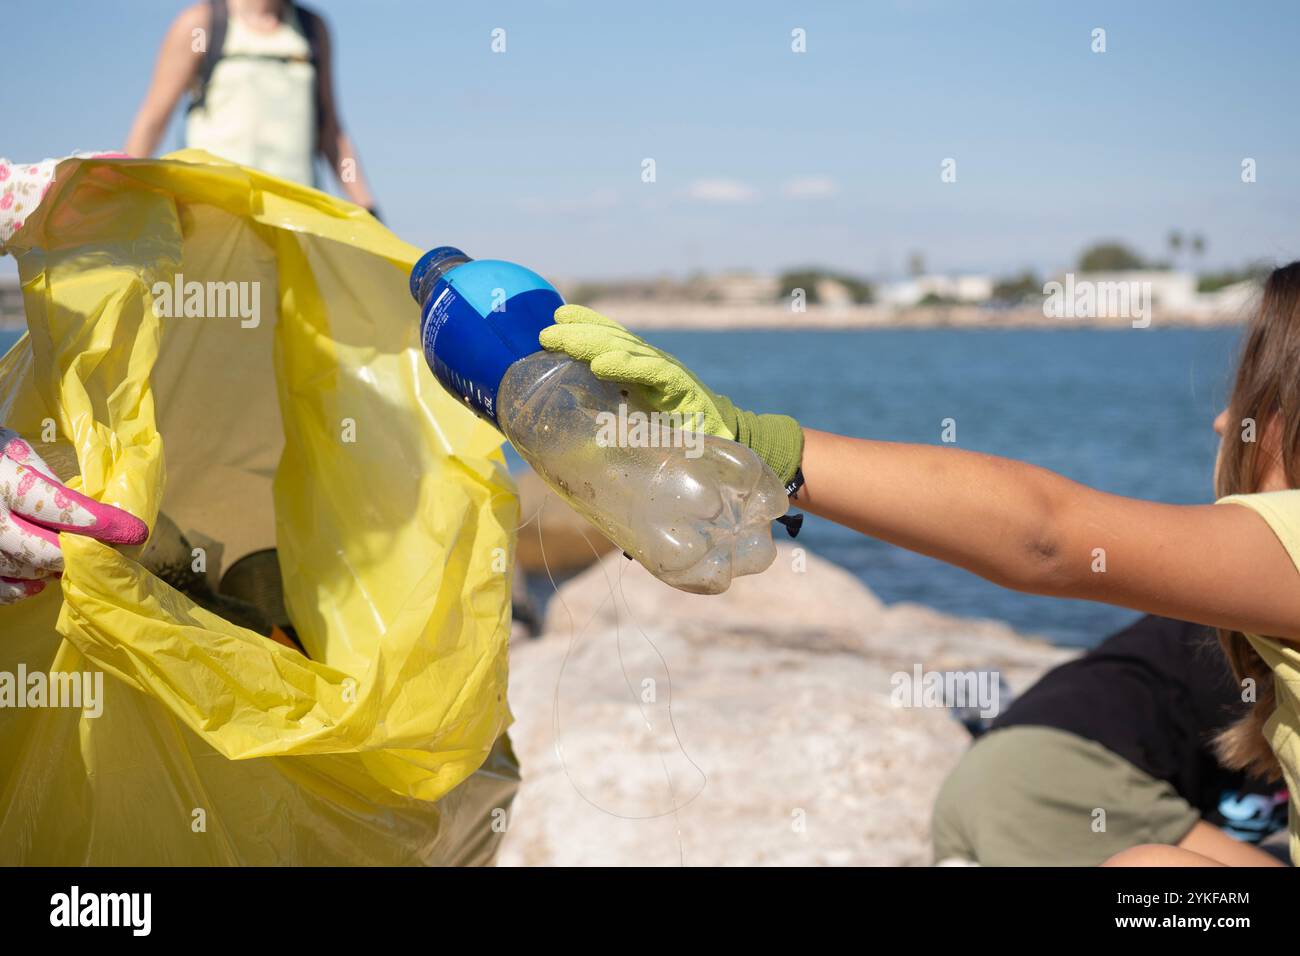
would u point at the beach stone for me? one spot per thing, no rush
(781, 699)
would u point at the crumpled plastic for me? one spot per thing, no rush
(316, 429)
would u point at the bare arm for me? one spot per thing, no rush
(1032, 530)
(335, 145)
(178, 62)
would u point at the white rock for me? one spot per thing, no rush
(781, 696)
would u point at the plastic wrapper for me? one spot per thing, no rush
(313, 427)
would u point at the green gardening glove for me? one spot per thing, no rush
(666, 385)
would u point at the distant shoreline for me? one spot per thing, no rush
(700, 316)
(712, 317)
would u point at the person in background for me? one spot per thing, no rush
(1231, 565)
(1106, 752)
(259, 74)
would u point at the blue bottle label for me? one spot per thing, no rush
(479, 320)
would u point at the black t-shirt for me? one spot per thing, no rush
(1154, 693)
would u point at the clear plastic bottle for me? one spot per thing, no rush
(695, 510)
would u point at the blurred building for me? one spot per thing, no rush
(1232, 303)
(725, 288)
(739, 288)
(834, 294)
(1170, 291)
(967, 289)
(1175, 294)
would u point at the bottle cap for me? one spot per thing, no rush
(477, 318)
(433, 264)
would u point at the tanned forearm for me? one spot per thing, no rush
(1024, 527)
(990, 515)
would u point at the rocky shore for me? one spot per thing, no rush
(791, 744)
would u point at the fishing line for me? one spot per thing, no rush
(575, 636)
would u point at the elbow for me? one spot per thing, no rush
(1040, 561)
(1044, 567)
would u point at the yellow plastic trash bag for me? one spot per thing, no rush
(313, 427)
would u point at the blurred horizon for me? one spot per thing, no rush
(765, 159)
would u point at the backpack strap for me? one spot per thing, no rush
(313, 27)
(212, 54)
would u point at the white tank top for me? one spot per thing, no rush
(259, 109)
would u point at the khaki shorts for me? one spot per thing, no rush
(1035, 796)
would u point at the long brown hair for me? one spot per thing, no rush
(1267, 392)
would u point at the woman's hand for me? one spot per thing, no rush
(666, 385)
(34, 507)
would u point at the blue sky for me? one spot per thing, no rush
(764, 157)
